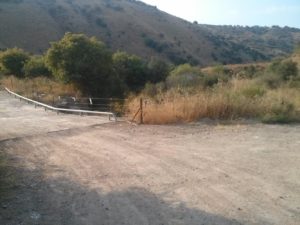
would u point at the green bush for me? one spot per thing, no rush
(157, 46)
(84, 61)
(284, 69)
(283, 112)
(184, 69)
(36, 66)
(12, 61)
(294, 82)
(221, 70)
(210, 80)
(185, 76)
(158, 70)
(131, 69)
(272, 80)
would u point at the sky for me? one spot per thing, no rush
(234, 12)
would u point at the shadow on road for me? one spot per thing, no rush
(33, 199)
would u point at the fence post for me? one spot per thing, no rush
(141, 111)
(11, 83)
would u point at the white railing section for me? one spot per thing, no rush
(45, 106)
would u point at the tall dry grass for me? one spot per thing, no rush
(237, 99)
(40, 88)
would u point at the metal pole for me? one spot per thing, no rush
(141, 109)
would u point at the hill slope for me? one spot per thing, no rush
(126, 25)
(271, 41)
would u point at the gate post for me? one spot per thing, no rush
(141, 113)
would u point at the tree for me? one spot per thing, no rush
(158, 70)
(83, 61)
(12, 61)
(36, 66)
(131, 69)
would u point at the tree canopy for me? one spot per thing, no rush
(82, 60)
(13, 60)
(131, 69)
(35, 66)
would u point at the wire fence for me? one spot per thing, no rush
(115, 105)
(64, 110)
(124, 109)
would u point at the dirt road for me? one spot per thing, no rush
(63, 169)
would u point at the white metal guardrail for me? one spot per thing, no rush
(45, 106)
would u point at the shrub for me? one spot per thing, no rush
(221, 70)
(185, 76)
(284, 112)
(12, 61)
(249, 71)
(36, 66)
(210, 80)
(239, 98)
(271, 80)
(154, 90)
(185, 69)
(158, 70)
(284, 69)
(131, 70)
(83, 61)
(150, 90)
(157, 46)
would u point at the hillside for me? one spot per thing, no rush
(271, 41)
(134, 27)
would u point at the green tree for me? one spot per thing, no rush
(158, 70)
(131, 69)
(83, 61)
(12, 61)
(36, 66)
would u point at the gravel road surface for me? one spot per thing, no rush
(68, 169)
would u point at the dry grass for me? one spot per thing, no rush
(238, 99)
(40, 88)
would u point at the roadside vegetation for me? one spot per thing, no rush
(81, 66)
(268, 92)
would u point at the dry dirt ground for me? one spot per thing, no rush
(67, 169)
